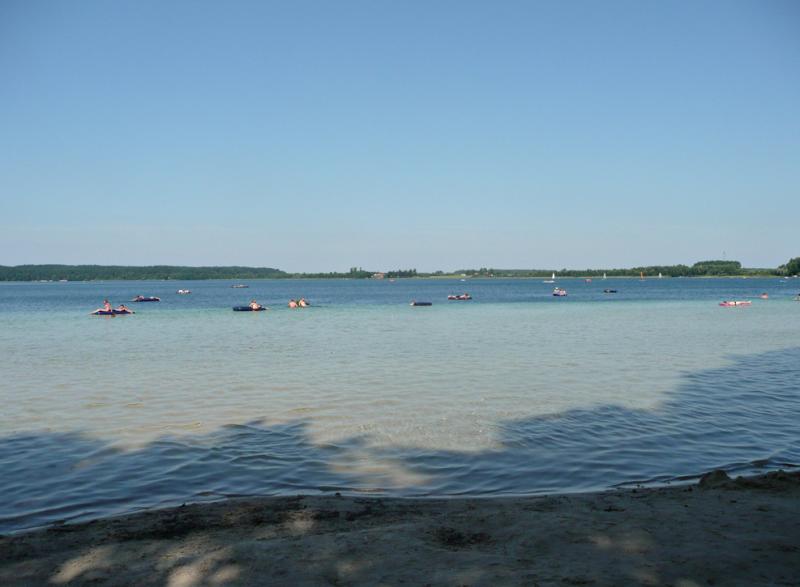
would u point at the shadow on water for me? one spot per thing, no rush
(742, 417)
(62, 477)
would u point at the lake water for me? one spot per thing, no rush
(515, 392)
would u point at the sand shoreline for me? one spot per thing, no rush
(720, 532)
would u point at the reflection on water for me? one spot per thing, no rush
(177, 404)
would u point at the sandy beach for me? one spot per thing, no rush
(719, 532)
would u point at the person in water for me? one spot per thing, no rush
(254, 305)
(302, 303)
(105, 309)
(292, 304)
(123, 308)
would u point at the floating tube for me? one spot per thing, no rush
(421, 303)
(146, 299)
(248, 309)
(111, 312)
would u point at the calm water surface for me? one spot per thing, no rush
(515, 392)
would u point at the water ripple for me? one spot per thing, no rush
(707, 422)
(462, 400)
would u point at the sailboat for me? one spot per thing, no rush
(551, 280)
(604, 275)
(641, 275)
(659, 275)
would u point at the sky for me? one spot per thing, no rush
(318, 136)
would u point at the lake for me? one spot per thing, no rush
(515, 392)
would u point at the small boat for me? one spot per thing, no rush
(609, 291)
(733, 304)
(146, 299)
(464, 296)
(111, 312)
(416, 303)
(183, 292)
(551, 280)
(248, 309)
(588, 280)
(559, 292)
(239, 286)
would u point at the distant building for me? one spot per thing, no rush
(378, 275)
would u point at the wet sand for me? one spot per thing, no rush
(719, 532)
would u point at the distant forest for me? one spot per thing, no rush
(700, 269)
(158, 272)
(113, 272)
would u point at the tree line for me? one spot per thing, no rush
(790, 268)
(719, 268)
(123, 272)
(161, 272)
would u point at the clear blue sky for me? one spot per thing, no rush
(432, 134)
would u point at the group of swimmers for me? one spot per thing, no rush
(301, 303)
(254, 305)
(122, 308)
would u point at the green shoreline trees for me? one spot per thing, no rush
(712, 268)
(122, 272)
(703, 268)
(791, 268)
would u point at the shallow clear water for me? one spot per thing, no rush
(514, 392)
